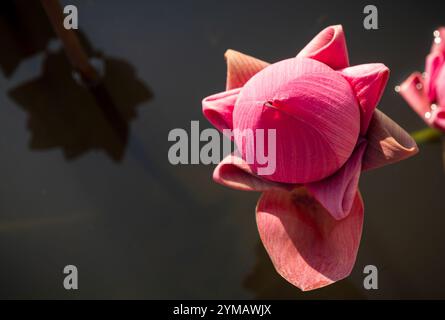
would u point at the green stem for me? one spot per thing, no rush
(426, 135)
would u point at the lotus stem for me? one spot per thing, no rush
(71, 43)
(427, 135)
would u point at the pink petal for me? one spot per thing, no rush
(314, 112)
(414, 94)
(440, 85)
(233, 172)
(369, 82)
(437, 119)
(218, 108)
(337, 193)
(440, 45)
(329, 47)
(434, 63)
(240, 68)
(387, 143)
(307, 246)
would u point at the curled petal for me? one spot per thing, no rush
(369, 82)
(218, 108)
(337, 192)
(235, 173)
(387, 143)
(434, 63)
(240, 68)
(329, 47)
(307, 246)
(412, 91)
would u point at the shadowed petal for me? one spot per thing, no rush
(329, 47)
(218, 108)
(369, 82)
(412, 91)
(337, 193)
(240, 68)
(234, 172)
(308, 247)
(387, 143)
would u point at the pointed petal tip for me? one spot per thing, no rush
(439, 40)
(368, 82)
(240, 68)
(387, 143)
(321, 284)
(415, 94)
(415, 77)
(329, 47)
(230, 53)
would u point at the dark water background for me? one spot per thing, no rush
(74, 190)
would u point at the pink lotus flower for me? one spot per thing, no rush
(426, 94)
(310, 214)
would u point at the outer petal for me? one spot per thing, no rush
(440, 84)
(218, 108)
(412, 91)
(437, 118)
(307, 246)
(434, 63)
(369, 82)
(240, 68)
(337, 193)
(387, 143)
(329, 47)
(235, 173)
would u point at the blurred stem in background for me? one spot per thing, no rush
(429, 135)
(71, 43)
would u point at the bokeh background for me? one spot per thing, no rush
(74, 190)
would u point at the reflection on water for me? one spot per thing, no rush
(65, 114)
(24, 31)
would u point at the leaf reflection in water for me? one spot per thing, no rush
(64, 113)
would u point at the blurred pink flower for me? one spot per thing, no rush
(328, 130)
(426, 94)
